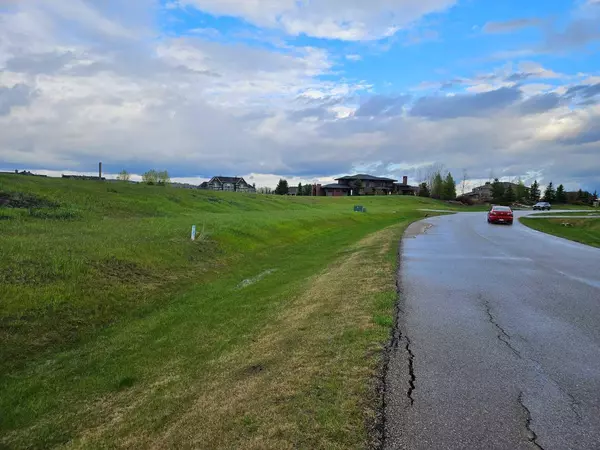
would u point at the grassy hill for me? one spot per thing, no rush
(118, 331)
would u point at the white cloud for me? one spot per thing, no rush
(200, 108)
(351, 20)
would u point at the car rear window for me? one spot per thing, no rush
(501, 208)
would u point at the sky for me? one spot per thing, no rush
(303, 89)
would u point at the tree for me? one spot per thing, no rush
(463, 186)
(449, 188)
(300, 192)
(550, 193)
(534, 192)
(437, 186)
(497, 191)
(163, 178)
(561, 195)
(357, 187)
(282, 187)
(124, 176)
(307, 190)
(150, 177)
(423, 190)
(509, 195)
(521, 192)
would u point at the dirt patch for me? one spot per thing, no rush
(21, 200)
(121, 270)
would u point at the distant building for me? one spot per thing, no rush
(83, 177)
(335, 190)
(24, 172)
(365, 184)
(404, 188)
(230, 184)
(484, 193)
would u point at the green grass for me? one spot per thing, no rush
(588, 212)
(114, 324)
(586, 231)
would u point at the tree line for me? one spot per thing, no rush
(521, 193)
(283, 188)
(160, 178)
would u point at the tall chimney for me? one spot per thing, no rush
(100, 170)
(405, 180)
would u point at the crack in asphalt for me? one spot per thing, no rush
(573, 403)
(411, 371)
(379, 429)
(503, 336)
(531, 436)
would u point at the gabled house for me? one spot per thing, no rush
(231, 184)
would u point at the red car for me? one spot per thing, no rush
(500, 214)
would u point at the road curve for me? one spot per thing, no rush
(497, 344)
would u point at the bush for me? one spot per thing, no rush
(465, 200)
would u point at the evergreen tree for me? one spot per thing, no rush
(308, 190)
(579, 194)
(300, 190)
(550, 193)
(423, 190)
(437, 186)
(534, 192)
(509, 195)
(282, 187)
(449, 188)
(521, 191)
(561, 195)
(497, 191)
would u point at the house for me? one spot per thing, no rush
(231, 184)
(335, 190)
(363, 184)
(484, 193)
(404, 188)
(293, 190)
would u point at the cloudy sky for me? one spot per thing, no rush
(306, 89)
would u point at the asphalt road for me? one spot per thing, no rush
(498, 340)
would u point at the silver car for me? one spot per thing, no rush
(542, 206)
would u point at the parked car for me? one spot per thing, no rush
(500, 214)
(542, 206)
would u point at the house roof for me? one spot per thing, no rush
(362, 176)
(335, 186)
(234, 180)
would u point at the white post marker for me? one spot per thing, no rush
(193, 232)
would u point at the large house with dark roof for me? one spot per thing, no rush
(362, 184)
(231, 184)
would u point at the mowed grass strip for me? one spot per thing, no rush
(585, 231)
(117, 329)
(302, 381)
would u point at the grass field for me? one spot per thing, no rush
(590, 212)
(586, 231)
(118, 331)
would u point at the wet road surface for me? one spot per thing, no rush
(498, 340)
